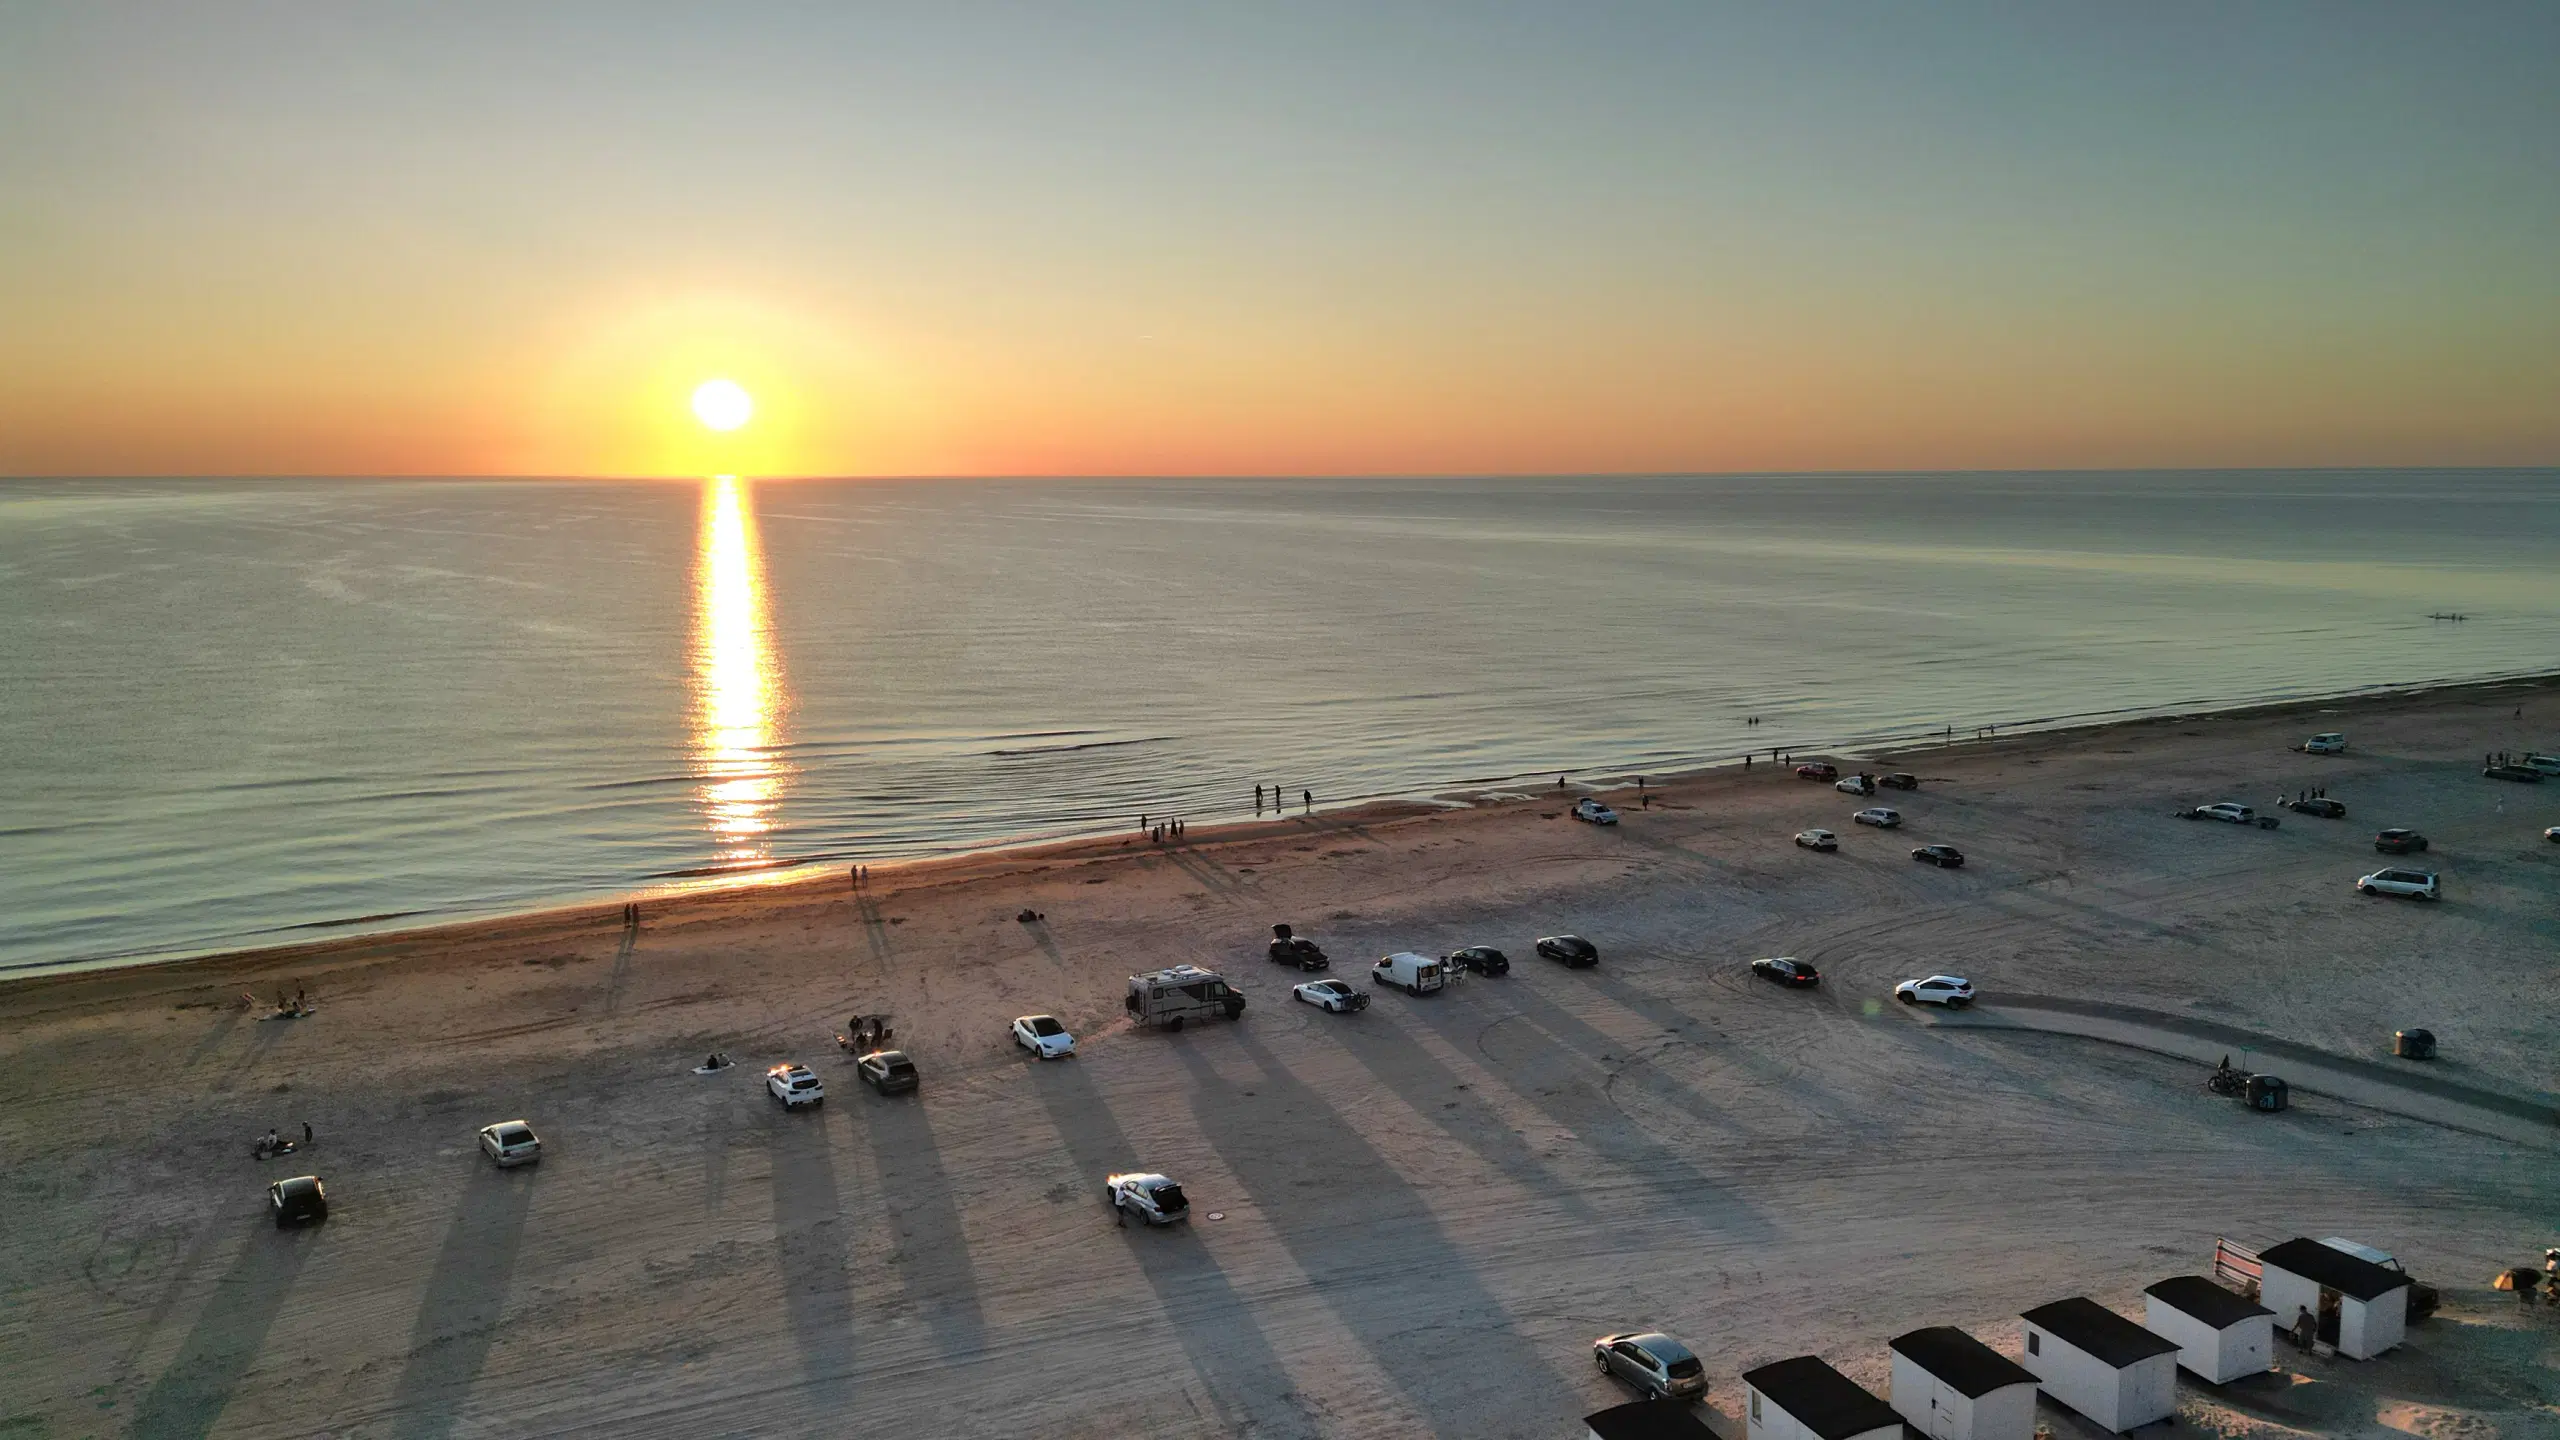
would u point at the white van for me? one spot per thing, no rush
(2328, 742)
(1411, 973)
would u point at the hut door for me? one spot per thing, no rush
(1942, 1413)
(2328, 1315)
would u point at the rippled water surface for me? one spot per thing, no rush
(237, 708)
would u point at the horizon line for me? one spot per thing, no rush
(1258, 475)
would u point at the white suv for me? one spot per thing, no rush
(1952, 991)
(2326, 743)
(794, 1086)
(2415, 884)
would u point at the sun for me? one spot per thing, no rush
(723, 404)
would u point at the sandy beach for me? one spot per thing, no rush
(1424, 1211)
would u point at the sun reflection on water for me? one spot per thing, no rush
(737, 678)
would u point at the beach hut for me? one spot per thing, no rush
(2099, 1363)
(2356, 1305)
(1659, 1419)
(2220, 1336)
(1951, 1386)
(1805, 1399)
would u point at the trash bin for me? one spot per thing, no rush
(2267, 1092)
(2414, 1044)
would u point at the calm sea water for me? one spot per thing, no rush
(236, 711)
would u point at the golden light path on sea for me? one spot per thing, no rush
(738, 689)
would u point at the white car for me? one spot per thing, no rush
(510, 1143)
(794, 1086)
(2328, 742)
(2414, 884)
(1817, 840)
(1952, 991)
(2232, 812)
(1149, 1196)
(1043, 1036)
(1331, 995)
(1593, 812)
(1856, 785)
(1879, 816)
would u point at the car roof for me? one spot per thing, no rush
(299, 1184)
(1950, 979)
(1661, 1346)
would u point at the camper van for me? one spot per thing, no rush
(1414, 974)
(1185, 992)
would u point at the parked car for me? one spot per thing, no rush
(1333, 995)
(2413, 884)
(1411, 973)
(1171, 996)
(2396, 841)
(1149, 1196)
(2552, 834)
(1573, 951)
(1592, 812)
(1043, 1036)
(1817, 840)
(1878, 816)
(302, 1200)
(794, 1086)
(2320, 805)
(1787, 970)
(1298, 950)
(1482, 959)
(1899, 781)
(510, 1143)
(1816, 770)
(2328, 742)
(1953, 991)
(2230, 812)
(1856, 785)
(888, 1071)
(1945, 857)
(2521, 774)
(2543, 765)
(1654, 1363)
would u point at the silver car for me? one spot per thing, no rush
(2414, 884)
(510, 1143)
(1654, 1363)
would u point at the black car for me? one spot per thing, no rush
(1482, 959)
(1298, 950)
(2396, 841)
(888, 1071)
(1945, 857)
(2320, 805)
(1573, 951)
(2521, 774)
(302, 1200)
(1787, 970)
(1899, 781)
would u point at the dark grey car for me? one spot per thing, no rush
(889, 1071)
(1653, 1363)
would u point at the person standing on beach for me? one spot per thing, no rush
(1309, 797)
(306, 1134)
(1257, 799)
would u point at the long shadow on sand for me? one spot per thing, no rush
(932, 1254)
(1385, 1267)
(1555, 1076)
(812, 1248)
(189, 1396)
(1249, 1388)
(459, 1316)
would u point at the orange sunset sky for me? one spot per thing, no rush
(1123, 238)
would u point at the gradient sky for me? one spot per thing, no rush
(1311, 237)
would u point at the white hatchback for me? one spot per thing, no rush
(1878, 816)
(1817, 840)
(1953, 991)
(510, 1143)
(794, 1086)
(1043, 1036)
(1593, 812)
(1149, 1196)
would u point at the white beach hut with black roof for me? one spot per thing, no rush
(2220, 1336)
(1656, 1419)
(2356, 1305)
(1805, 1399)
(1951, 1386)
(2099, 1363)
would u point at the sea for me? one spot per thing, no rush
(237, 713)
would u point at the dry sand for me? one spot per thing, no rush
(1428, 1208)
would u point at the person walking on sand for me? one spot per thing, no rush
(306, 1134)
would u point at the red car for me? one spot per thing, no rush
(1817, 771)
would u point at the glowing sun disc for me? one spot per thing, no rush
(722, 404)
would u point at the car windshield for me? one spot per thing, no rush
(1334, 987)
(1043, 1025)
(1688, 1369)
(513, 1134)
(901, 1067)
(1168, 1198)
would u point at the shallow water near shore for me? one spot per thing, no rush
(250, 712)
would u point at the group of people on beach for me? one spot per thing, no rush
(1306, 798)
(1163, 830)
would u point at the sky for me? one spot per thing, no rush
(1312, 238)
